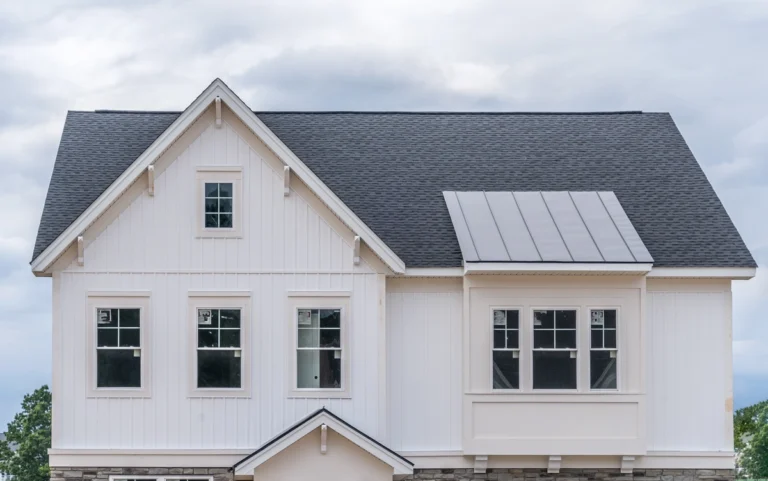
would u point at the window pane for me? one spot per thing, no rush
(211, 220)
(309, 338)
(309, 318)
(597, 338)
(130, 337)
(566, 339)
(610, 318)
(499, 335)
(330, 337)
(211, 205)
(499, 318)
(330, 318)
(107, 338)
(506, 370)
(218, 369)
(543, 339)
(318, 369)
(106, 317)
(566, 319)
(225, 205)
(230, 317)
(330, 369)
(225, 220)
(117, 368)
(211, 189)
(610, 338)
(229, 338)
(208, 317)
(513, 319)
(543, 319)
(129, 317)
(225, 189)
(513, 339)
(554, 370)
(602, 370)
(207, 338)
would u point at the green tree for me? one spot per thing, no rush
(24, 453)
(751, 440)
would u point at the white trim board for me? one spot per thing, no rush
(554, 268)
(736, 273)
(217, 89)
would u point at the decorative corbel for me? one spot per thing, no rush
(80, 250)
(481, 464)
(356, 255)
(323, 439)
(627, 464)
(286, 181)
(553, 466)
(217, 102)
(151, 179)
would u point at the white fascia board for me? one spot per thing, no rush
(217, 89)
(736, 273)
(434, 272)
(532, 267)
(399, 466)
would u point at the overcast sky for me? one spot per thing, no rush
(701, 60)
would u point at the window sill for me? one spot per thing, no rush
(319, 393)
(118, 393)
(219, 235)
(219, 393)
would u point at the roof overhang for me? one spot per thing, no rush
(217, 89)
(566, 268)
(733, 273)
(322, 416)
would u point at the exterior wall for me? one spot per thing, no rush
(690, 404)
(149, 243)
(502, 474)
(343, 461)
(424, 364)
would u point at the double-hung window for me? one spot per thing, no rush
(603, 351)
(554, 349)
(506, 349)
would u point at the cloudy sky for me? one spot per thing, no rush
(701, 60)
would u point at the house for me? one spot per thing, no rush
(379, 295)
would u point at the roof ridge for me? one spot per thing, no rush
(384, 112)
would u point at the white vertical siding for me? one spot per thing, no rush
(289, 243)
(689, 334)
(424, 367)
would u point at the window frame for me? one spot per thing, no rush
(119, 300)
(221, 174)
(334, 300)
(220, 300)
(617, 349)
(520, 331)
(531, 349)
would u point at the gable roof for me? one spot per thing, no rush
(390, 169)
(400, 464)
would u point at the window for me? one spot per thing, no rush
(118, 362)
(219, 200)
(603, 351)
(506, 349)
(219, 363)
(319, 353)
(219, 350)
(554, 349)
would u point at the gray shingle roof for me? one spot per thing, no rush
(391, 168)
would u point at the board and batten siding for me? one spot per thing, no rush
(289, 243)
(690, 405)
(424, 364)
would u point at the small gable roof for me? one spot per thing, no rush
(390, 169)
(245, 466)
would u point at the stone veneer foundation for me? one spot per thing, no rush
(527, 474)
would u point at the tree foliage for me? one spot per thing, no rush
(750, 431)
(24, 452)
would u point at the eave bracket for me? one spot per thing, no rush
(151, 179)
(286, 181)
(217, 102)
(80, 250)
(356, 255)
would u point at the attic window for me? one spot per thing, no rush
(219, 201)
(218, 205)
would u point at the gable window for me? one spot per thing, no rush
(118, 364)
(320, 357)
(219, 364)
(603, 352)
(506, 349)
(554, 349)
(219, 200)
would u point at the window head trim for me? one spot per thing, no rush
(119, 300)
(220, 175)
(317, 301)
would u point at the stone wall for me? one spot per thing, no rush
(103, 474)
(565, 474)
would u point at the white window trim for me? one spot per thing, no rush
(124, 477)
(118, 300)
(520, 330)
(577, 350)
(220, 173)
(617, 349)
(317, 301)
(242, 301)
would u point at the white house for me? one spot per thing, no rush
(362, 296)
